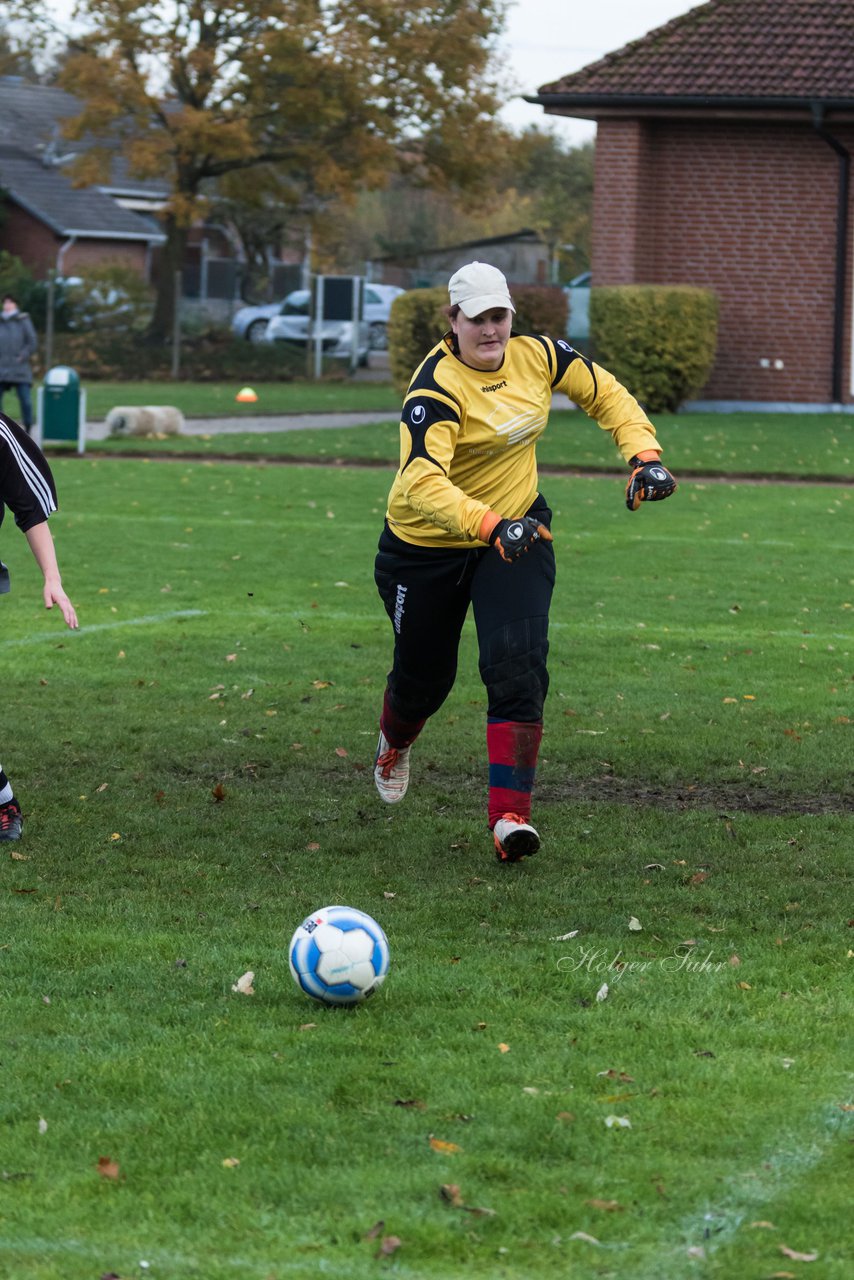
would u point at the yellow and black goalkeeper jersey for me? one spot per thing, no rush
(468, 438)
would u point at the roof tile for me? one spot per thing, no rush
(732, 48)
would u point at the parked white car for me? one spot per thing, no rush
(377, 309)
(251, 322)
(292, 324)
(578, 297)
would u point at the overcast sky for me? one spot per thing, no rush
(547, 39)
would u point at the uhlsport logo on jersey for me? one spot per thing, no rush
(564, 346)
(417, 414)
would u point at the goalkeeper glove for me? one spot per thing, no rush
(649, 482)
(512, 538)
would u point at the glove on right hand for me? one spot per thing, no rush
(512, 538)
(649, 482)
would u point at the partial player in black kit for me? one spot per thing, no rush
(28, 490)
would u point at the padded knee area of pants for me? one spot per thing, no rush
(415, 698)
(513, 668)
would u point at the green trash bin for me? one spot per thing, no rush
(61, 408)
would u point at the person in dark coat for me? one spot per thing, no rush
(18, 345)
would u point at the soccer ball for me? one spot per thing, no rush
(339, 956)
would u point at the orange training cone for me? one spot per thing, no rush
(246, 396)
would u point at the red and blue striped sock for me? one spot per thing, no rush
(399, 733)
(512, 748)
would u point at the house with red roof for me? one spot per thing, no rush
(723, 159)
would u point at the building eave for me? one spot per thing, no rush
(593, 105)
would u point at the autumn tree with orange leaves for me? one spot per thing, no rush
(277, 97)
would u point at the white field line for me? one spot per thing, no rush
(752, 1192)
(150, 619)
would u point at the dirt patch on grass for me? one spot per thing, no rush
(725, 798)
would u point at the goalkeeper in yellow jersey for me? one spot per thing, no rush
(467, 525)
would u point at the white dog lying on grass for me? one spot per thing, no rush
(145, 420)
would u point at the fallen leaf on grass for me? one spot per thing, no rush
(607, 1206)
(218, 793)
(230, 1162)
(108, 1168)
(451, 1194)
(388, 1246)
(634, 924)
(373, 1232)
(19, 857)
(342, 752)
(611, 1074)
(618, 1122)
(243, 986)
(768, 1226)
(410, 1102)
(42, 1125)
(582, 1235)
(795, 1256)
(564, 937)
(602, 993)
(697, 1250)
(444, 1148)
(504, 1048)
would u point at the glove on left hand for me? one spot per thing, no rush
(649, 482)
(511, 538)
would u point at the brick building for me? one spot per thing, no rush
(47, 221)
(723, 158)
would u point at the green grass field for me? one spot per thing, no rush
(819, 445)
(217, 399)
(195, 771)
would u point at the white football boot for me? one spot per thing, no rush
(514, 838)
(391, 770)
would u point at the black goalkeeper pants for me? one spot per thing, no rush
(427, 592)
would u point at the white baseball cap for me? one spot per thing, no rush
(478, 287)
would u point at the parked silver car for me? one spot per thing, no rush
(251, 322)
(292, 324)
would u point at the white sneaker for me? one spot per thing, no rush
(391, 770)
(514, 838)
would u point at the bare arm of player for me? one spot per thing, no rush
(41, 544)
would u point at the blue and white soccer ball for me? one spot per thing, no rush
(339, 956)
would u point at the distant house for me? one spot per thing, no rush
(49, 223)
(523, 256)
(723, 159)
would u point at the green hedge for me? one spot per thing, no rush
(658, 340)
(117, 357)
(419, 318)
